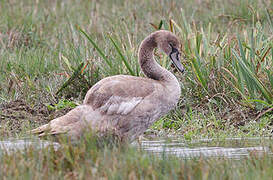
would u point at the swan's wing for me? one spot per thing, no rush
(118, 94)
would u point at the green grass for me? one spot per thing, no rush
(52, 52)
(88, 160)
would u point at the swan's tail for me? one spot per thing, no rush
(40, 129)
(46, 129)
(70, 123)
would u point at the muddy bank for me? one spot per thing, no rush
(17, 115)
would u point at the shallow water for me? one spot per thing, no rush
(228, 148)
(13, 145)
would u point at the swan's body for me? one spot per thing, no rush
(126, 105)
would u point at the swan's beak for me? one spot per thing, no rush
(175, 57)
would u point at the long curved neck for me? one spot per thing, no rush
(147, 62)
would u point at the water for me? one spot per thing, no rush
(229, 148)
(13, 145)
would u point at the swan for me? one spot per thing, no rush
(125, 105)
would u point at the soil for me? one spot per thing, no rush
(16, 115)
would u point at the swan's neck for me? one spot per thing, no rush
(148, 64)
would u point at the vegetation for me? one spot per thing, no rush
(87, 160)
(52, 52)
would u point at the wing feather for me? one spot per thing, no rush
(118, 94)
(120, 105)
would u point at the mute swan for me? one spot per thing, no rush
(126, 105)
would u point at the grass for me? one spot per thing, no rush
(88, 160)
(52, 52)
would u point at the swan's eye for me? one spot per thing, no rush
(174, 50)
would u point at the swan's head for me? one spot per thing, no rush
(169, 43)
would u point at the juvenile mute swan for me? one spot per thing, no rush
(126, 105)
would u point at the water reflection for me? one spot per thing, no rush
(12, 145)
(229, 148)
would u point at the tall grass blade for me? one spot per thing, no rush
(67, 63)
(234, 84)
(269, 19)
(251, 79)
(171, 25)
(185, 24)
(197, 71)
(198, 42)
(124, 60)
(261, 102)
(101, 53)
(165, 25)
(160, 25)
(270, 77)
(76, 73)
(177, 26)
